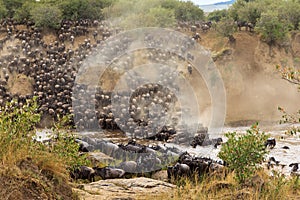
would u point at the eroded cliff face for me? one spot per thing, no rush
(254, 87)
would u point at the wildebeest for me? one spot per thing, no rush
(295, 167)
(83, 172)
(196, 37)
(179, 170)
(190, 69)
(109, 172)
(271, 142)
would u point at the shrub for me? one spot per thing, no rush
(17, 133)
(188, 11)
(17, 127)
(12, 5)
(160, 17)
(251, 12)
(290, 11)
(83, 9)
(272, 28)
(226, 27)
(138, 13)
(217, 15)
(23, 12)
(46, 15)
(3, 10)
(66, 148)
(243, 153)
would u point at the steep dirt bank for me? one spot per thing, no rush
(253, 86)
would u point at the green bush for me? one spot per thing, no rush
(83, 9)
(3, 10)
(17, 133)
(188, 11)
(46, 15)
(217, 15)
(272, 28)
(226, 27)
(66, 148)
(17, 127)
(244, 152)
(23, 12)
(290, 11)
(251, 12)
(13, 5)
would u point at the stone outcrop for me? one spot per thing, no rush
(135, 188)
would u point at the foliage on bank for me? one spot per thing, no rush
(23, 156)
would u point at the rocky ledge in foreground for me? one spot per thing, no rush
(113, 189)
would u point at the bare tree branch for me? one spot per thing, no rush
(292, 81)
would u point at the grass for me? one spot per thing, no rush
(216, 187)
(32, 168)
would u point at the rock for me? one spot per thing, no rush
(136, 188)
(98, 158)
(160, 175)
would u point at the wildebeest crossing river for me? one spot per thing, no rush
(286, 150)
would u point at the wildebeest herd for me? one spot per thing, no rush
(139, 159)
(52, 68)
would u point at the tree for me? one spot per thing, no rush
(13, 5)
(290, 11)
(188, 11)
(226, 28)
(251, 12)
(217, 15)
(234, 9)
(83, 9)
(138, 13)
(46, 15)
(23, 12)
(161, 17)
(272, 28)
(3, 10)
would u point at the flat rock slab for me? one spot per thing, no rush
(99, 158)
(113, 189)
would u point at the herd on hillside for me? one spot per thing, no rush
(52, 67)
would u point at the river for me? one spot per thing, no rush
(285, 156)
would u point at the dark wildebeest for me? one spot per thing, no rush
(109, 173)
(84, 172)
(179, 170)
(196, 37)
(271, 142)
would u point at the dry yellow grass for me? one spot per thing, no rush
(259, 187)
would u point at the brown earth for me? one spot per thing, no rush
(20, 84)
(27, 181)
(254, 88)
